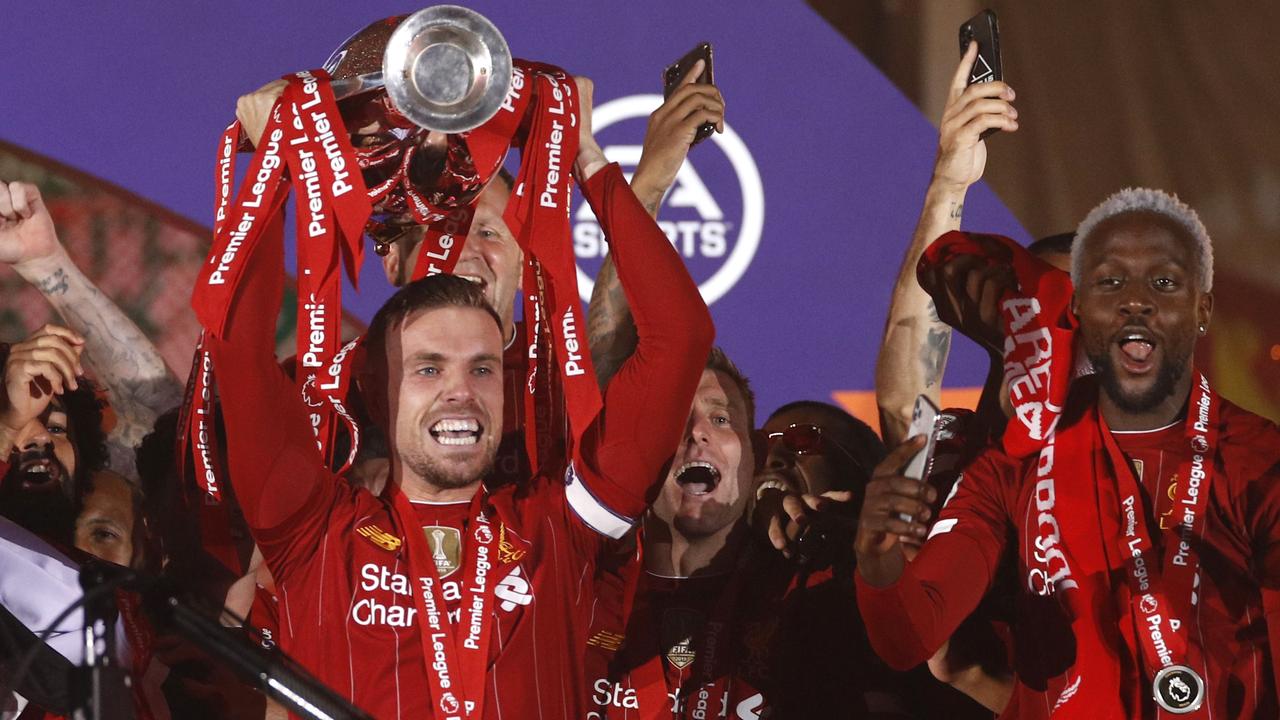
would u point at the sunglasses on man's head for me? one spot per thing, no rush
(808, 439)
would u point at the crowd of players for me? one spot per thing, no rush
(687, 559)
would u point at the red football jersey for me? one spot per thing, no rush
(993, 509)
(790, 648)
(346, 604)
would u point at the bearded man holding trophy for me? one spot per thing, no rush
(442, 596)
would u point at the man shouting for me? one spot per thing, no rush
(442, 598)
(1145, 523)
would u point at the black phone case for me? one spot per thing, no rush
(671, 79)
(984, 29)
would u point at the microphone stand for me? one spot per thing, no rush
(273, 672)
(99, 687)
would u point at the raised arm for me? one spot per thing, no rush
(139, 384)
(611, 332)
(913, 353)
(275, 466)
(646, 403)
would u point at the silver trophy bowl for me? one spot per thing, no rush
(446, 68)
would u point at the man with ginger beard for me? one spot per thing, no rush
(721, 625)
(1149, 483)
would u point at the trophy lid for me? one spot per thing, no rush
(447, 68)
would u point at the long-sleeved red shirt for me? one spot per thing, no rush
(993, 510)
(345, 609)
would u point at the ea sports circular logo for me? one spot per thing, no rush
(713, 215)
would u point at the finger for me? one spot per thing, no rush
(6, 205)
(42, 378)
(794, 507)
(905, 507)
(68, 334)
(18, 196)
(970, 134)
(836, 496)
(45, 360)
(910, 487)
(777, 537)
(893, 462)
(993, 89)
(694, 73)
(978, 108)
(961, 79)
(898, 527)
(72, 351)
(695, 101)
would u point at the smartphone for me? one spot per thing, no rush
(984, 29)
(924, 420)
(676, 71)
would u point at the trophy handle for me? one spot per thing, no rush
(356, 84)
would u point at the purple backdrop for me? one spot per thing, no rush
(139, 97)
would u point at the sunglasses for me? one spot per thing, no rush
(808, 439)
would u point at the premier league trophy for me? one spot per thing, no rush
(408, 87)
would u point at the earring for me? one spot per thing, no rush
(1203, 329)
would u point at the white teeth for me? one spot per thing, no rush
(772, 484)
(465, 440)
(473, 278)
(453, 425)
(697, 464)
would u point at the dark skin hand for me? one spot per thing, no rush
(881, 527)
(966, 291)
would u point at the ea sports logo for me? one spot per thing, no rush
(713, 215)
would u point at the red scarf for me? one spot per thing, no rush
(1090, 523)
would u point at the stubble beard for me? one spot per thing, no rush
(443, 475)
(1171, 370)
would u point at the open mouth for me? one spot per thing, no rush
(775, 482)
(456, 432)
(698, 477)
(1136, 348)
(39, 474)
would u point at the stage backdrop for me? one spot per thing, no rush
(793, 221)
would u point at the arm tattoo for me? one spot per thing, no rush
(937, 345)
(55, 284)
(957, 209)
(611, 331)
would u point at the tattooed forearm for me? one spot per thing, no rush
(933, 355)
(55, 284)
(957, 210)
(611, 331)
(138, 382)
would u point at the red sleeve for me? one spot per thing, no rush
(647, 401)
(909, 620)
(275, 467)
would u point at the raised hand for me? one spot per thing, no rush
(590, 157)
(966, 291)
(27, 235)
(253, 110)
(671, 131)
(36, 369)
(970, 111)
(801, 526)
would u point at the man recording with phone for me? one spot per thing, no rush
(1144, 515)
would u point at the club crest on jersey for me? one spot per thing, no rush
(380, 537)
(446, 548)
(507, 552)
(678, 628)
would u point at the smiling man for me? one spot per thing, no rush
(444, 597)
(1147, 528)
